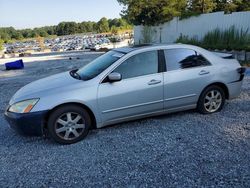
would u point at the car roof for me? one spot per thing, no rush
(212, 56)
(148, 46)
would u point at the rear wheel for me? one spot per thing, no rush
(212, 100)
(69, 124)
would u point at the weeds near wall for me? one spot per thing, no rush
(147, 34)
(230, 39)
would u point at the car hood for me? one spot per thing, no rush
(43, 86)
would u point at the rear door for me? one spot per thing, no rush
(187, 74)
(139, 92)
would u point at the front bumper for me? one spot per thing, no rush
(30, 124)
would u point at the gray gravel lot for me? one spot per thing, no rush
(185, 149)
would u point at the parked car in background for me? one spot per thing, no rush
(63, 43)
(125, 84)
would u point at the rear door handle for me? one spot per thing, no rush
(154, 82)
(203, 72)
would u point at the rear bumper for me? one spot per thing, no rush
(234, 88)
(30, 124)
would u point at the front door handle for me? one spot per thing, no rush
(154, 82)
(203, 72)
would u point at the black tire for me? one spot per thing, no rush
(80, 128)
(203, 102)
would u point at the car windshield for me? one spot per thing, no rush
(97, 66)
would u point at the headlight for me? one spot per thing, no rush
(23, 106)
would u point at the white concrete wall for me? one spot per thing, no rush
(196, 26)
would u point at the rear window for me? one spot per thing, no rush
(183, 59)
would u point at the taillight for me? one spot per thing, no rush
(241, 70)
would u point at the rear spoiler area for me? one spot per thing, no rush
(241, 71)
(224, 55)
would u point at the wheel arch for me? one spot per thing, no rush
(221, 85)
(92, 116)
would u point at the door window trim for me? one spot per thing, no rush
(161, 65)
(196, 53)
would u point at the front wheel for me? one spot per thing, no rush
(212, 100)
(69, 124)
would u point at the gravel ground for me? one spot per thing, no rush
(185, 149)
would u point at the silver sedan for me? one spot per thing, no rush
(125, 84)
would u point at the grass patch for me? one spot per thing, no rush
(230, 39)
(245, 63)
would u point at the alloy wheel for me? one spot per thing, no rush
(213, 101)
(70, 126)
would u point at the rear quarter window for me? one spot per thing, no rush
(183, 59)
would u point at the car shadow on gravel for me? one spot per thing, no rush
(128, 126)
(154, 122)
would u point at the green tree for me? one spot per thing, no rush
(1, 44)
(26, 33)
(119, 23)
(113, 22)
(232, 5)
(41, 32)
(91, 26)
(153, 12)
(82, 27)
(242, 5)
(4, 35)
(66, 28)
(16, 35)
(114, 30)
(220, 5)
(103, 25)
(50, 30)
(202, 6)
(85, 27)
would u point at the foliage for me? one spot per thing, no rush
(40, 41)
(65, 28)
(86, 27)
(186, 40)
(202, 6)
(147, 34)
(232, 5)
(1, 44)
(245, 63)
(153, 12)
(103, 25)
(114, 30)
(230, 39)
(242, 5)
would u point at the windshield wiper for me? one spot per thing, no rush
(74, 74)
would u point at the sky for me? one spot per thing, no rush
(36, 13)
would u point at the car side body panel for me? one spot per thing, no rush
(183, 87)
(130, 97)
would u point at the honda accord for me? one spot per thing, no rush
(125, 84)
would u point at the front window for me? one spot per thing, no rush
(139, 65)
(100, 64)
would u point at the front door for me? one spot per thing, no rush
(139, 92)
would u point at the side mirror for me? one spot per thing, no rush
(114, 77)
